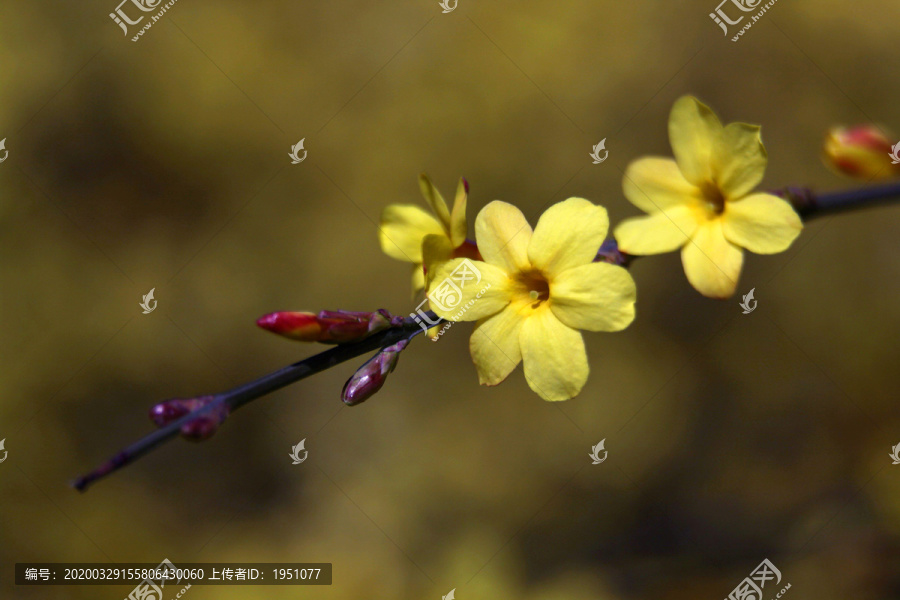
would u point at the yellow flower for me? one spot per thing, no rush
(702, 202)
(533, 292)
(404, 228)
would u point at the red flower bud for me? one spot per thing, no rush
(372, 375)
(329, 327)
(862, 152)
(201, 428)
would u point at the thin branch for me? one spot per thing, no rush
(807, 203)
(235, 398)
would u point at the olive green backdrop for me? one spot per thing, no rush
(163, 164)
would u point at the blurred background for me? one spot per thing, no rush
(163, 164)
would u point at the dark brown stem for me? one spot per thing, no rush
(241, 395)
(808, 204)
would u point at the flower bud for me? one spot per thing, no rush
(329, 327)
(862, 152)
(372, 375)
(201, 428)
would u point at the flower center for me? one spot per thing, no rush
(713, 196)
(533, 288)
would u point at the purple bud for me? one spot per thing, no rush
(201, 428)
(165, 412)
(366, 382)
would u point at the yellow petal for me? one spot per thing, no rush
(435, 201)
(693, 132)
(468, 290)
(554, 357)
(664, 231)
(761, 223)
(403, 227)
(494, 346)
(458, 216)
(595, 297)
(418, 279)
(653, 184)
(568, 234)
(436, 250)
(502, 234)
(712, 263)
(740, 160)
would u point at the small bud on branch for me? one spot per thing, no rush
(328, 327)
(862, 152)
(366, 382)
(198, 429)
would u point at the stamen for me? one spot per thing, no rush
(714, 197)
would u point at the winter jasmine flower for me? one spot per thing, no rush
(404, 228)
(703, 201)
(537, 289)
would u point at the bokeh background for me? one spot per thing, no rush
(163, 164)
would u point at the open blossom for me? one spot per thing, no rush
(535, 290)
(404, 228)
(703, 201)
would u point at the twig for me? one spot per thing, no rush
(806, 202)
(241, 395)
